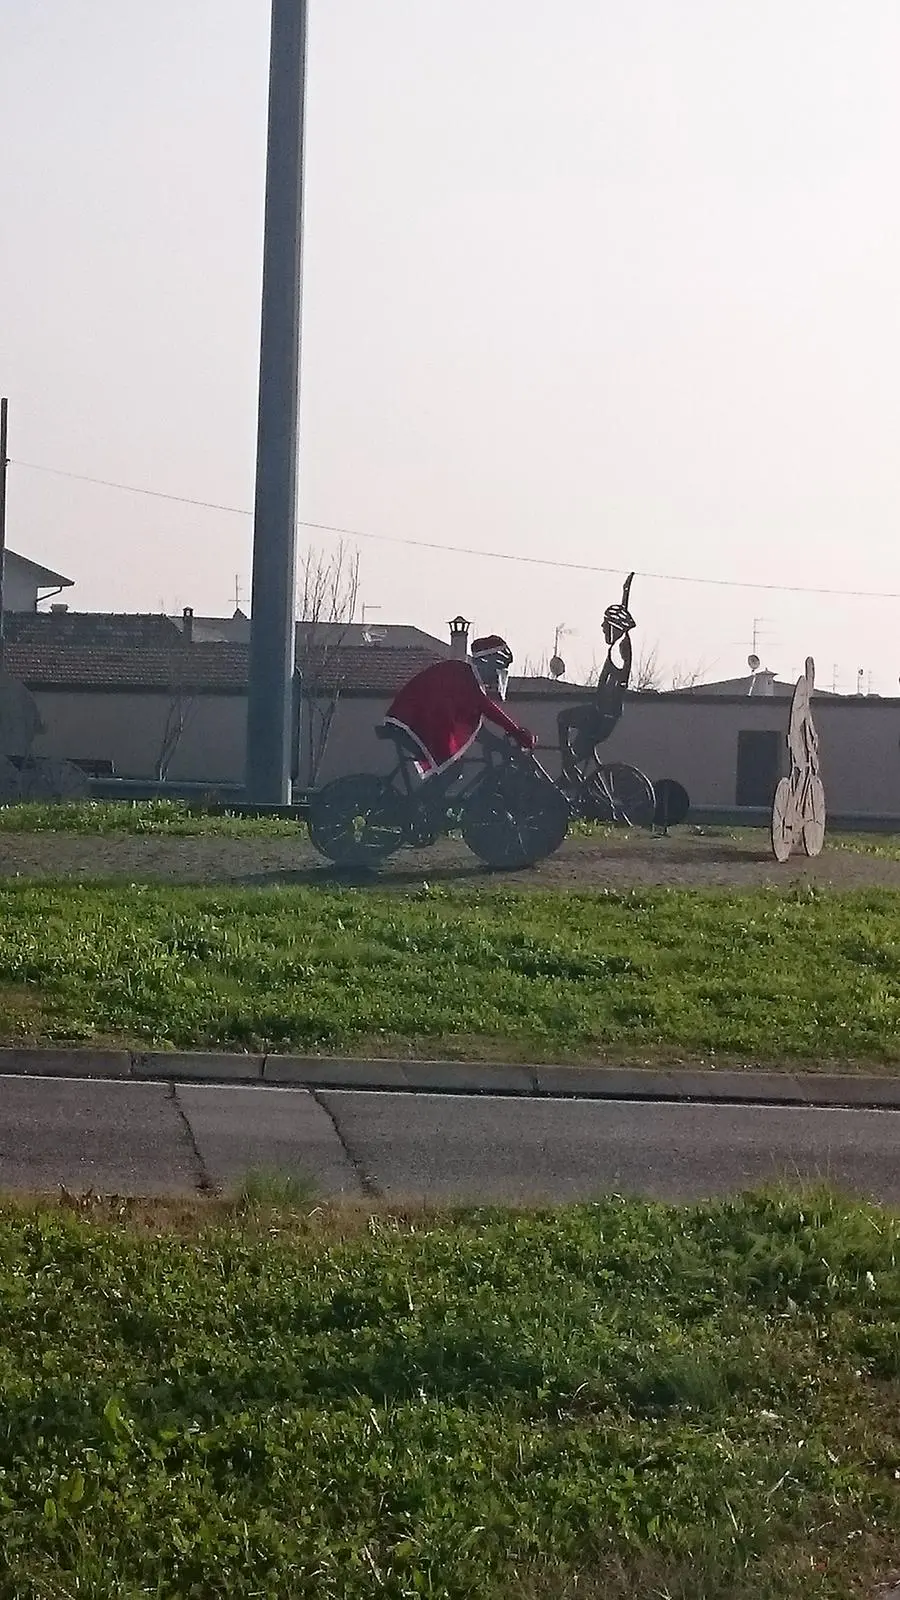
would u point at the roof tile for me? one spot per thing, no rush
(87, 650)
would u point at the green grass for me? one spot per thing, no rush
(265, 1190)
(765, 975)
(178, 819)
(153, 818)
(614, 1400)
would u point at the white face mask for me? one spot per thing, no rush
(494, 678)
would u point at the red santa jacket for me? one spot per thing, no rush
(443, 708)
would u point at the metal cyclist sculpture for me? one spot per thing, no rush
(611, 791)
(798, 809)
(450, 772)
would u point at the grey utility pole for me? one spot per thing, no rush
(268, 772)
(4, 464)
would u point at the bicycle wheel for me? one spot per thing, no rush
(672, 803)
(354, 821)
(515, 818)
(783, 816)
(813, 819)
(623, 794)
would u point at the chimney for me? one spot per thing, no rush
(187, 626)
(459, 637)
(58, 610)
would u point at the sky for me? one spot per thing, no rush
(600, 284)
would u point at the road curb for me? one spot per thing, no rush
(677, 1084)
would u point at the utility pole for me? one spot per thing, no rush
(269, 713)
(4, 465)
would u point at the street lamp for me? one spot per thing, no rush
(268, 763)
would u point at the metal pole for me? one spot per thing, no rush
(275, 517)
(4, 464)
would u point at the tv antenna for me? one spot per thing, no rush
(557, 664)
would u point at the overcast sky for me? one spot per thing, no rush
(602, 282)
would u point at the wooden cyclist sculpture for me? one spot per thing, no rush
(798, 809)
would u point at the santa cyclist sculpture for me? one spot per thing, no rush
(442, 708)
(509, 813)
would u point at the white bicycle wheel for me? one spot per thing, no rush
(813, 825)
(783, 820)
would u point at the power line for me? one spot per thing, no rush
(468, 550)
(130, 488)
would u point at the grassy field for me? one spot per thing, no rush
(768, 975)
(167, 818)
(611, 1401)
(176, 819)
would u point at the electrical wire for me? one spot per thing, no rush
(468, 550)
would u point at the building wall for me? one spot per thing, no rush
(19, 590)
(687, 737)
(127, 729)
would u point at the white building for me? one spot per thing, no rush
(26, 583)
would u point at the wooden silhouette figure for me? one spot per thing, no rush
(798, 807)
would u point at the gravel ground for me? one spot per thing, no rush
(684, 860)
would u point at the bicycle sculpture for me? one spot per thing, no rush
(450, 773)
(798, 807)
(601, 791)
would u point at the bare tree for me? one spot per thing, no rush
(329, 589)
(685, 676)
(180, 712)
(647, 675)
(534, 669)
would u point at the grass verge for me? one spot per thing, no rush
(165, 818)
(611, 1400)
(179, 819)
(803, 976)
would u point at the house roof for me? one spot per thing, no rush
(90, 651)
(761, 685)
(364, 670)
(327, 635)
(101, 651)
(43, 577)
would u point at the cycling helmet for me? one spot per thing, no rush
(617, 619)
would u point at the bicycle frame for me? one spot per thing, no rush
(428, 802)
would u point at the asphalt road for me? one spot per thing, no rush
(151, 1138)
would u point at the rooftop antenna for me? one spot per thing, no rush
(557, 664)
(366, 608)
(756, 633)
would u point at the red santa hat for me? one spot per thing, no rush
(491, 644)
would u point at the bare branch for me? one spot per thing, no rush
(328, 594)
(534, 669)
(685, 676)
(647, 675)
(180, 711)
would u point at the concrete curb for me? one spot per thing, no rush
(676, 1084)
